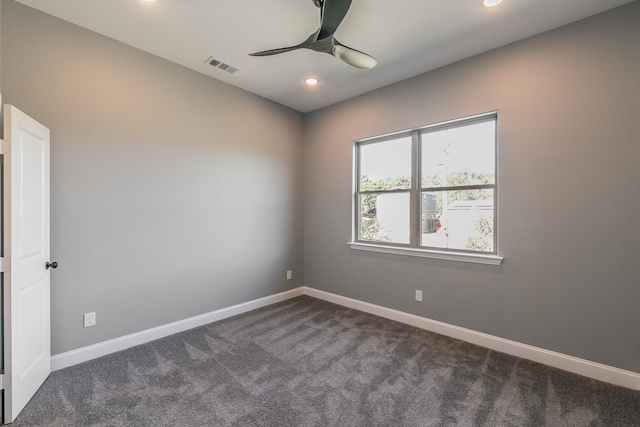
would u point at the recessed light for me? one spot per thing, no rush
(491, 3)
(311, 81)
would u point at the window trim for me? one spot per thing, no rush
(413, 248)
(476, 258)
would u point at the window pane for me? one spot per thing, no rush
(458, 219)
(385, 165)
(384, 217)
(463, 155)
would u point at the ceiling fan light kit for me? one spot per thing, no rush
(491, 3)
(332, 12)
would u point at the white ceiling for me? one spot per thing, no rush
(407, 37)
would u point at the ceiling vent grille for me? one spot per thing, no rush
(219, 64)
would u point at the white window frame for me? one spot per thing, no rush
(413, 248)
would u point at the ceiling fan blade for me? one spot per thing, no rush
(353, 57)
(332, 12)
(275, 51)
(331, 15)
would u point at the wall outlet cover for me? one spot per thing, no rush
(89, 319)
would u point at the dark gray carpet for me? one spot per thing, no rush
(306, 362)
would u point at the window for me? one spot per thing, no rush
(431, 189)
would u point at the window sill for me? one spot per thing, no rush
(429, 253)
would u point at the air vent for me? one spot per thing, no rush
(219, 64)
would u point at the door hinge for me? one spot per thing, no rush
(5, 146)
(5, 381)
(5, 264)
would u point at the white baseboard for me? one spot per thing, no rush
(73, 357)
(576, 365)
(565, 362)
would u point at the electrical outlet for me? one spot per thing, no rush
(418, 295)
(288, 274)
(89, 319)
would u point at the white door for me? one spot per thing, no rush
(27, 347)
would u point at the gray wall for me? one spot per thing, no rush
(173, 194)
(569, 209)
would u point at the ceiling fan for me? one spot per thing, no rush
(332, 12)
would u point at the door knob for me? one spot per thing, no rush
(51, 265)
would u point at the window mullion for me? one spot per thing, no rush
(356, 193)
(399, 190)
(414, 215)
(461, 187)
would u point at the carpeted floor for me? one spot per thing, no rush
(306, 362)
